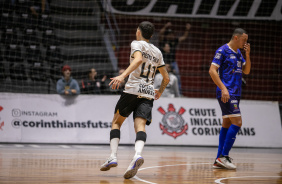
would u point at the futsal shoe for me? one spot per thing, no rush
(110, 162)
(216, 165)
(225, 161)
(135, 164)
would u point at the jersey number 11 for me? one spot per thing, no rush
(148, 73)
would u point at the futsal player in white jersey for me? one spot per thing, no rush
(138, 95)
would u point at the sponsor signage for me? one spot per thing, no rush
(219, 9)
(31, 118)
(55, 118)
(198, 122)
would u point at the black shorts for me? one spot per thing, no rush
(141, 107)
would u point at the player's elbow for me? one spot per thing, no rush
(246, 72)
(211, 71)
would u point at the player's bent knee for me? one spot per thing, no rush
(116, 126)
(142, 136)
(239, 124)
(236, 121)
(117, 121)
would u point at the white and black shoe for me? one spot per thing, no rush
(217, 166)
(110, 162)
(225, 161)
(135, 164)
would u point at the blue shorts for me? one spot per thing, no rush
(230, 108)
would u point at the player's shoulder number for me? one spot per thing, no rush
(217, 55)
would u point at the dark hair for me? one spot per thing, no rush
(238, 31)
(147, 29)
(89, 71)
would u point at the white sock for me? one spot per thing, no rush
(139, 145)
(114, 146)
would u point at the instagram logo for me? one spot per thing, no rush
(16, 112)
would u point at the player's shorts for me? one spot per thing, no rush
(230, 108)
(141, 107)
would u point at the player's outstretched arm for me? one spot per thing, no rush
(165, 81)
(116, 81)
(247, 66)
(215, 77)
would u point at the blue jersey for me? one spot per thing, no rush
(230, 69)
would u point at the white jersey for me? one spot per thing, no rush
(141, 80)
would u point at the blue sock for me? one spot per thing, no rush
(222, 136)
(230, 139)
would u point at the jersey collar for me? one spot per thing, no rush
(232, 49)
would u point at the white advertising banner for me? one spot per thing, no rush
(86, 119)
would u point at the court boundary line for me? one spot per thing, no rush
(145, 181)
(218, 181)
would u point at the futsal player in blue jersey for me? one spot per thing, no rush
(226, 72)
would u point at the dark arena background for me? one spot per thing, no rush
(39, 37)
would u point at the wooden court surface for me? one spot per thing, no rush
(41, 163)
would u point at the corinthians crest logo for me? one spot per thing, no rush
(172, 122)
